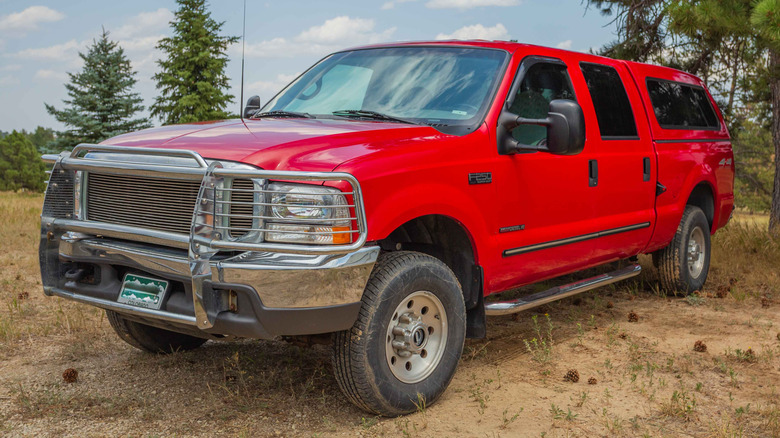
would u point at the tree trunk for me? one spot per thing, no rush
(774, 68)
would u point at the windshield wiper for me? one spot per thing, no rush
(373, 115)
(281, 113)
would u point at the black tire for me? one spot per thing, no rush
(151, 339)
(362, 356)
(675, 274)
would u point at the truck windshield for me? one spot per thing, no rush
(442, 86)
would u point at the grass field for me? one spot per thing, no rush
(648, 380)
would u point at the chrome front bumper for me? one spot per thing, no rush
(227, 288)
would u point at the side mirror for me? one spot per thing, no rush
(565, 124)
(252, 105)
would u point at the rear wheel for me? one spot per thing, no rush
(405, 346)
(684, 264)
(151, 339)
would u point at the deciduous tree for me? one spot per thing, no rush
(20, 164)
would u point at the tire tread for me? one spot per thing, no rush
(350, 371)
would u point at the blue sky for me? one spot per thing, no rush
(39, 40)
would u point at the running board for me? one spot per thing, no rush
(560, 292)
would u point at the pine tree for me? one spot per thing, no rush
(193, 82)
(20, 164)
(102, 103)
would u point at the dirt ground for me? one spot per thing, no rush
(641, 378)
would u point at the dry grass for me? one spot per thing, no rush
(649, 381)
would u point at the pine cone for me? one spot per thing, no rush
(633, 317)
(23, 296)
(592, 381)
(765, 302)
(572, 376)
(70, 375)
(700, 346)
(610, 304)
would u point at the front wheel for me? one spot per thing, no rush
(405, 346)
(684, 264)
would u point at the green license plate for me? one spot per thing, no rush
(142, 291)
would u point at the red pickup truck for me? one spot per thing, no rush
(382, 195)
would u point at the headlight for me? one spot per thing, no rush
(308, 214)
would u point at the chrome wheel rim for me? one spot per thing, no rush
(416, 337)
(696, 252)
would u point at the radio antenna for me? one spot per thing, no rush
(243, 48)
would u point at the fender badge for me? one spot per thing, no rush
(512, 228)
(480, 178)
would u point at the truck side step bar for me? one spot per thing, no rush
(560, 292)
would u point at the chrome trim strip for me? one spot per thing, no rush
(84, 147)
(575, 239)
(162, 260)
(124, 232)
(124, 308)
(200, 251)
(119, 168)
(694, 140)
(560, 292)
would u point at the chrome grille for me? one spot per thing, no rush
(58, 203)
(241, 207)
(157, 204)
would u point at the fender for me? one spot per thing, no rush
(385, 217)
(671, 205)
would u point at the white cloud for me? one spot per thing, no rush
(468, 4)
(478, 32)
(58, 52)
(566, 45)
(10, 67)
(336, 33)
(51, 74)
(337, 29)
(9, 80)
(140, 43)
(144, 24)
(138, 36)
(29, 19)
(391, 4)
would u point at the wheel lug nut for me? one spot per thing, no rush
(398, 345)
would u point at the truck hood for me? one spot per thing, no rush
(280, 144)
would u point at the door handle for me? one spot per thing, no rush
(593, 173)
(646, 169)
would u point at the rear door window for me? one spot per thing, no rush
(613, 109)
(681, 106)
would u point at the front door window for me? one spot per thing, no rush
(542, 83)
